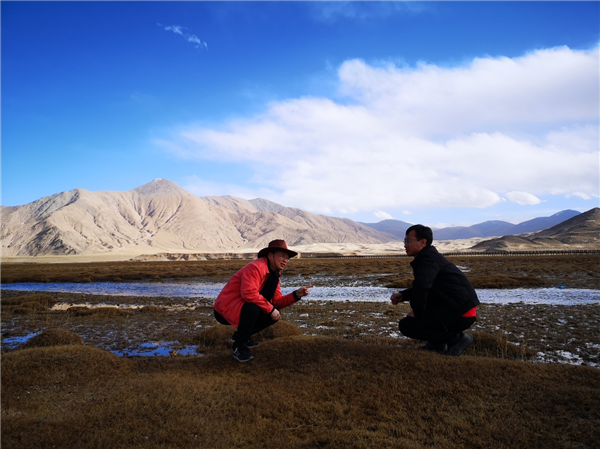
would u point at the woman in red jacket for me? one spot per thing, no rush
(252, 297)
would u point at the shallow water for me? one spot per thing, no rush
(553, 296)
(145, 349)
(157, 349)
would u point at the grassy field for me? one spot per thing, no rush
(331, 375)
(580, 271)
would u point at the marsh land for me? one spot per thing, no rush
(331, 374)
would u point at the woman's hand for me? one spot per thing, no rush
(303, 291)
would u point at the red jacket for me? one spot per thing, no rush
(245, 286)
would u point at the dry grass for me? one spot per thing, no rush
(54, 337)
(578, 271)
(330, 375)
(300, 392)
(218, 337)
(24, 300)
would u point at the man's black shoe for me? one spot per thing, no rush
(458, 348)
(242, 354)
(434, 347)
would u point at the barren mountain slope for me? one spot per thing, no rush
(157, 216)
(237, 205)
(581, 229)
(259, 221)
(162, 217)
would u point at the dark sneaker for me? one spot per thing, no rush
(458, 348)
(242, 354)
(434, 347)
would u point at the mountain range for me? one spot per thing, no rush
(579, 232)
(493, 228)
(161, 217)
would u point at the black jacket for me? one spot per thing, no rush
(440, 288)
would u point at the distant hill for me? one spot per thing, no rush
(538, 224)
(162, 217)
(581, 231)
(394, 227)
(493, 228)
(485, 229)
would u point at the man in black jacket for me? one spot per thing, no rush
(443, 301)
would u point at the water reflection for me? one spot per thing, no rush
(554, 296)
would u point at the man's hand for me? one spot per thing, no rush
(396, 298)
(303, 291)
(275, 315)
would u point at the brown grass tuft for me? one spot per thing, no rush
(23, 311)
(54, 337)
(109, 312)
(104, 312)
(79, 311)
(278, 330)
(42, 299)
(497, 346)
(151, 309)
(400, 283)
(34, 305)
(501, 281)
(58, 365)
(219, 336)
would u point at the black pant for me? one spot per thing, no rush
(252, 320)
(431, 329)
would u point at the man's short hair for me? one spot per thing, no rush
(422, 232)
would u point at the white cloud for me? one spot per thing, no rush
(382, 215)
(523, 198)
(423, 136)
(543, 87)
(196, 40)
(175, 29)
(583, 196)
(178, 29)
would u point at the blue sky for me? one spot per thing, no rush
(433, 112)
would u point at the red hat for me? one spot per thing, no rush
(276, 245)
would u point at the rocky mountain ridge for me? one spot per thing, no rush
(161, 217)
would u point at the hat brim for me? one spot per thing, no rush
(263, 252)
